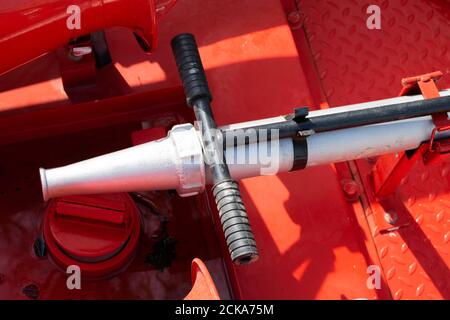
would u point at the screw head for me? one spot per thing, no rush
(294, 17)
(350, 189)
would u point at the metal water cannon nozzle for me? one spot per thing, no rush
(172, 163)
(192, 157)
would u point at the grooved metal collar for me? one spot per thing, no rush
(189, 163)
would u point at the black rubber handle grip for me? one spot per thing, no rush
(190, 68)
(233, 216)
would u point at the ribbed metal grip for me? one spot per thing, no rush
(190, 68)
(235, 224)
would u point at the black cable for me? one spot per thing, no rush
(346, 119)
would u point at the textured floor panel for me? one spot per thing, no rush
(356, 64)
(415, 257)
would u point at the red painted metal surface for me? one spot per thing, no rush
(203, 287)
(21, 221)
(315, 236)
(29, 29)
(356, 64)
(99, 234)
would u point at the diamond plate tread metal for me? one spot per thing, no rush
(416, 257)
(356, 64)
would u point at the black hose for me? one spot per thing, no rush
(393, 112)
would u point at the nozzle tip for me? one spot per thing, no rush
(44, 184)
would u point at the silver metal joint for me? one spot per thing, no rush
(189, 163)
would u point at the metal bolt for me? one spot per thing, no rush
(350, 188)
(391, 217)
(294, 17)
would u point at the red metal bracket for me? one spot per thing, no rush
(81, 59)
(390, 170)
(77, 64)
(427, 86)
